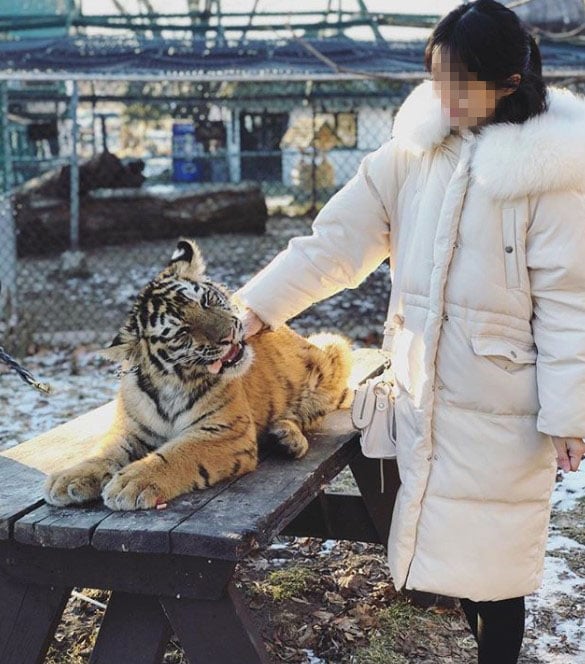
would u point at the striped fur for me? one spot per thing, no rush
(186, 419)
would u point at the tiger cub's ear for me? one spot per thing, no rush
(123, 347)
(187, 260)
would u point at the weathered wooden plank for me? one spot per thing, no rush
(23, 468)
(19, 492)
(334, 516)
(148, 531)
(156, 574)
(63, 527)
(366, 362)
(64, 445)
(29, 615)
(141, 531)
(134, 630)
(256, 507)
(216, 632)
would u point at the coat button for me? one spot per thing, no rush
(509, 249)
(445, 316)
(429, 457)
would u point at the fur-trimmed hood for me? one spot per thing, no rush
(545, 153)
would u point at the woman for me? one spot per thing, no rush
(479, 201)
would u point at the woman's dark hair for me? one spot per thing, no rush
(491, 41)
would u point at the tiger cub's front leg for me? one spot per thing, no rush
(85, 481)
(180, 466)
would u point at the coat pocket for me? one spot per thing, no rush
(506, 352)
(510, 247)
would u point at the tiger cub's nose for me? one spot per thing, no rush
(229, 338)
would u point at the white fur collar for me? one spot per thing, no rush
(545, 153)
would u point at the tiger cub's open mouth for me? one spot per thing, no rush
(230, 359)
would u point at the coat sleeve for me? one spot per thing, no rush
(350, 238)
(555, 253)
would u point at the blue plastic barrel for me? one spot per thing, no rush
(186, 167)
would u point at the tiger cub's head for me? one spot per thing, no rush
(183, 324)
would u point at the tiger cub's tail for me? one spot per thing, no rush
(332, 362)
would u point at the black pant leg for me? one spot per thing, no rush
(498, 627)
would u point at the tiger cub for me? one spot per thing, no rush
(194, 396)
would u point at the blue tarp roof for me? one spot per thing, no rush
(140, 57)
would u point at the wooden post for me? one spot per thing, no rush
(216, 631)
(29, 615)
(134, 629)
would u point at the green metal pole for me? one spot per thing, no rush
(8, 311)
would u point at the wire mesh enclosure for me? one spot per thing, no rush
(106, 176)
(121, 133)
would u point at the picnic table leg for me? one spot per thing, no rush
(134, 630)
(29, 615)
(366, 473)
(216, 631)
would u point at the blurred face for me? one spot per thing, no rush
(467, 101)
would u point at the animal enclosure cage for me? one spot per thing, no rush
(121, 132)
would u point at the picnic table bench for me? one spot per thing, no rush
(170, 571)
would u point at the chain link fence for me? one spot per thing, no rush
(102, 178)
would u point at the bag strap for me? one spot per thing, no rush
(388, 333)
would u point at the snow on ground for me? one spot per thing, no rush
(555, 625)
(79, 382)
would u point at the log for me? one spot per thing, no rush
(104, 170)
(114, 216)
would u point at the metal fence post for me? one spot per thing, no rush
(313, 209)
(7, 225)
(233, 144)
(74, 225)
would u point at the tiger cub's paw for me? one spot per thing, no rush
(290, 438)
(134, 488)
(79, 483)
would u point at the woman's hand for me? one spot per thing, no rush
(570, 451)
(252, 324)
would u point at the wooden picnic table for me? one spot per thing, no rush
(170, 571)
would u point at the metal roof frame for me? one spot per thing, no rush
(296, 59)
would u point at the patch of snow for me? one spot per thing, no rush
(559, 583)
(26, 413)
(556, 541)
(327, 546)
(569, 489)
(312, 658)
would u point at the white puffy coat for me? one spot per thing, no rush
(485, 232)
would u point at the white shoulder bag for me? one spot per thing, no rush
(372, 411)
